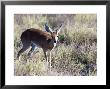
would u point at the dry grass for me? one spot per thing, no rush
(77, 56)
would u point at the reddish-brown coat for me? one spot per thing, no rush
(39, 37)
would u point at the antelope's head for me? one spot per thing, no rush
(54, 34)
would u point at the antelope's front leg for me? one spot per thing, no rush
(45, 54)
(50, 61)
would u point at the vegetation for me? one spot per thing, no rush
(75, 54)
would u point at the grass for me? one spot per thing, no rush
(77, 56)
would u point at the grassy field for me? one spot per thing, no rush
(76, 56)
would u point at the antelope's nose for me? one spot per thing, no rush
(55, 41)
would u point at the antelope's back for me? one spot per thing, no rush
(35, 35)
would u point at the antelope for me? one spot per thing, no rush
(46, 40)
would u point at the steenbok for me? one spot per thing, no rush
(46, 40)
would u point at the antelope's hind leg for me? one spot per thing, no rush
(31, 52)
(26, 45)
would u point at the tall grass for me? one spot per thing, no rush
(77, 56)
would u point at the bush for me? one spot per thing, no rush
(75, 54)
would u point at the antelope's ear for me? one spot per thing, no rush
(47, 28)
(50, 30)
(58, 30)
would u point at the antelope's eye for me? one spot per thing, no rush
(57, 36)
(54, 41)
